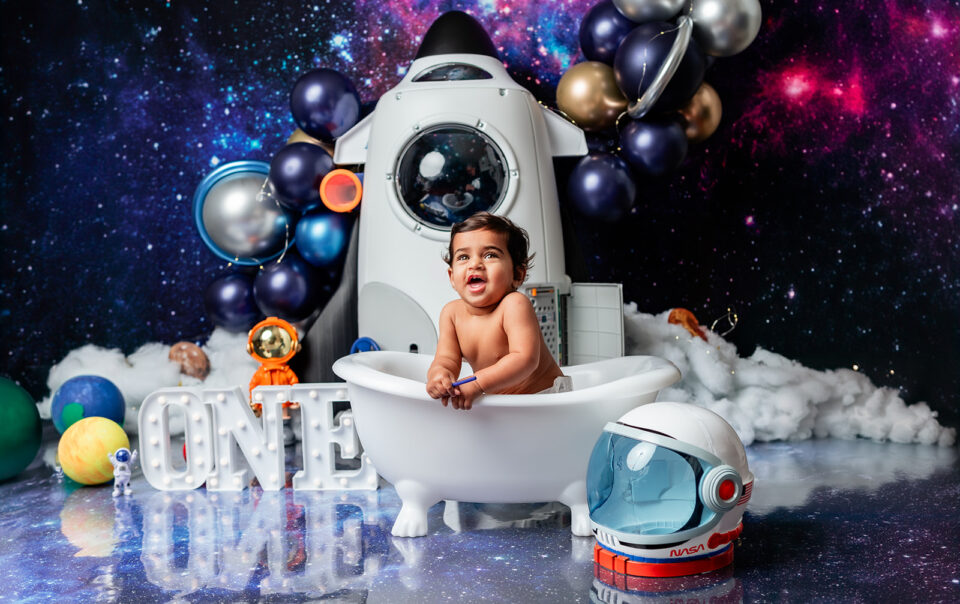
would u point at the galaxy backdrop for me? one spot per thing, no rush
(824, 210)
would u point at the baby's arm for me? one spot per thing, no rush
(523, 342)
(446, 362)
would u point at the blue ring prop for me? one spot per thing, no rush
(246, 166)
(364, 344)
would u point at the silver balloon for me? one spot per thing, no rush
(240, 218)
(661, 79)
(643, 11)
(724, 27)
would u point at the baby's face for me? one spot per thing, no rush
(481, 269)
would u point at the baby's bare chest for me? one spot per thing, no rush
(482, 340)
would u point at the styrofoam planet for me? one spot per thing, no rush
(19, 429)
(84, 448)
(86, 396)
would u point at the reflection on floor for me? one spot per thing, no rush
(829, 521)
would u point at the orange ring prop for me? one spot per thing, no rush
(341, 190)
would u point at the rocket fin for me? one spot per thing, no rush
(352, 146)
(566, 139)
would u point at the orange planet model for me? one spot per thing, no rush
(191, 358)
(273, 342)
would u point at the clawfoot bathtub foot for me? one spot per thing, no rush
(580, 520)
(575, 497)
(411, 522)
(412, 519)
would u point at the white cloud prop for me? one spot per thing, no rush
(765, 396)
(768, 397)
(149, 369)
(792, 473)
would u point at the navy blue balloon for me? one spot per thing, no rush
(325, 104)
(653, 147)
(288, 288)
(640, 57)
(322, 237)
(229, 302)
(296, 172)
(602, 187)
(602, 30)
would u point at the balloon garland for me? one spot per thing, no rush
(644, 73)
(289, 283)
(656, 52)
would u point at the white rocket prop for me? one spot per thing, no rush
(457, 135)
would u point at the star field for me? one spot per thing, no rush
(824, 209)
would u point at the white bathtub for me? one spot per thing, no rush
(507, 449)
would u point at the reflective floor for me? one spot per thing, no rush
(829, 521)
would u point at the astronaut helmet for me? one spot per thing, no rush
(122, 455)
(273, 341)
(667, 483)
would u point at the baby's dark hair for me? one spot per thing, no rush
(518, 242)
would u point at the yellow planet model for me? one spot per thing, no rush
(85, 446)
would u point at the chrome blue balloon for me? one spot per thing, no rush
(653, 147)
(601, 187)
(642, 54)
(238, 215)
(288, 288)
(296, 172)
(229, 302)
(602, 30)
(322, 237)
(325, 104)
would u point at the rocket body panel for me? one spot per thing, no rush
(401, 242)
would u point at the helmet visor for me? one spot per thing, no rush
(640, 488)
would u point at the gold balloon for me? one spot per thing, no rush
(702, 113)
(299, 136)
(589, 95)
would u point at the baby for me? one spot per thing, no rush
(492, 325)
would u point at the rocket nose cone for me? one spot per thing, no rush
(456, 32)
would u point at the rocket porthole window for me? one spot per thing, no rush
(453, 72)
(447, 173)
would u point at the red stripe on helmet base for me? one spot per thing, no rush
(625, 566)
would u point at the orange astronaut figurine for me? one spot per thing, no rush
(273, 342)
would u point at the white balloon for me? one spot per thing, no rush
(644, 11)
(724, 27)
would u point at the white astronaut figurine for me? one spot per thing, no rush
(122, 460)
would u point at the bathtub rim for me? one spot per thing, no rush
(662, 374)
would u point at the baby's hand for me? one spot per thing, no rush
(440, 384)
(465, 395)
